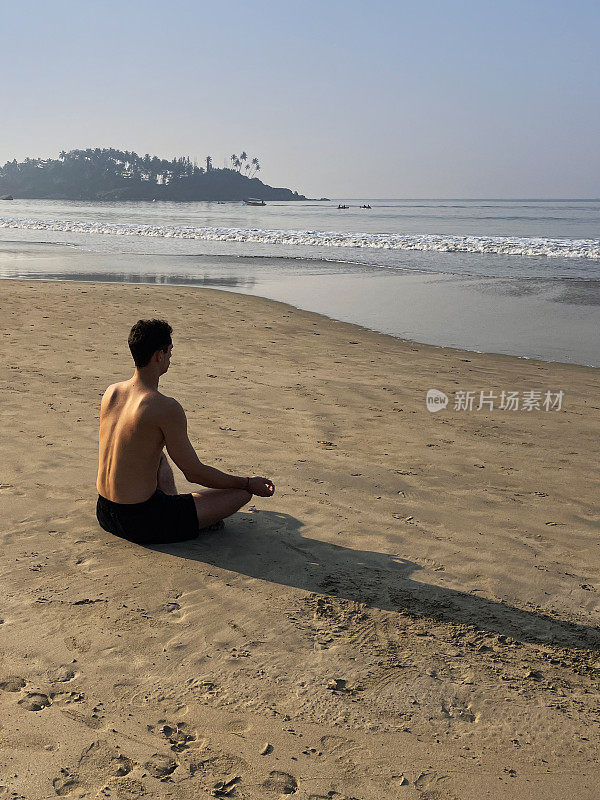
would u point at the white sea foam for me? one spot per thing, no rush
(504, 245)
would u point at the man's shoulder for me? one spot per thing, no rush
(169, 404)
(164, 404)
(165, 411)
(113, 390)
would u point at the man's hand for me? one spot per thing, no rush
(261, 486)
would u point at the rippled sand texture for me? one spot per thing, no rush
(413, 615)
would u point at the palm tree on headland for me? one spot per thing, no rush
(243, 157)
(208, 163)
(233, 160)
(255, 166)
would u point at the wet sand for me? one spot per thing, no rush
(413, 615)
(550, 319)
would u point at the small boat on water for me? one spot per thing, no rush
(7, 197)
(340, 207)
(253, 201)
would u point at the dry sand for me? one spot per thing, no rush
(413, 615)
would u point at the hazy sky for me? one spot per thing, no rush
(481, 98)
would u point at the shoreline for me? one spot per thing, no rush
(202, 287)
(547, 320)
(414, 611)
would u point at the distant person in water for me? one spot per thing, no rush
(137, 498)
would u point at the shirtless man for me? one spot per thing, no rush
(137, 498)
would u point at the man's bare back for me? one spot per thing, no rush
(134, 477)
(132, 419)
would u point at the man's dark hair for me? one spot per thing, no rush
(146, 337)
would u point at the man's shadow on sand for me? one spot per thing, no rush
(269, 546)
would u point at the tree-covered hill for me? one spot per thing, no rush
(108, 174)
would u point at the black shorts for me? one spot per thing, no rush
(163, 518)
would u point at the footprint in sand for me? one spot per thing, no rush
(65, 698)
(99, 761)
(161, 766)
(121, 765)
(226, 788)
(65, 783)
(179, 736)
(458, 711)
(428, 780)
(238, 725)
(35, 701)
(12, 683)
(344, 750)
(280, 783)
(62, 675)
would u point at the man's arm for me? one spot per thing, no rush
(181, 450)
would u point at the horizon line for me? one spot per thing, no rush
(502, 199)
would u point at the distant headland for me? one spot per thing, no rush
(109, 174)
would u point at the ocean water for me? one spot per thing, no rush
(518, 277)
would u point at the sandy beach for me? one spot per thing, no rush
(413, 615)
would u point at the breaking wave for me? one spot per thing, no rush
(441, 243)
